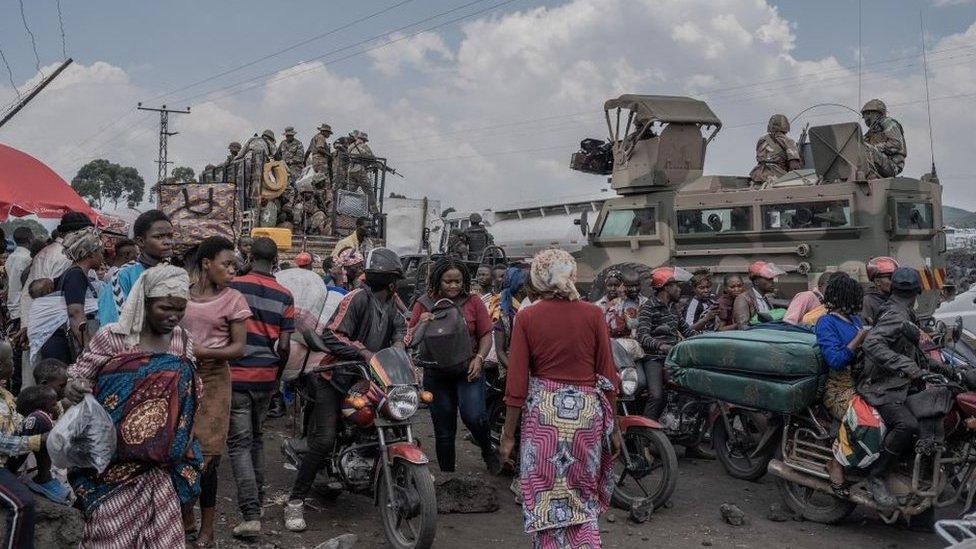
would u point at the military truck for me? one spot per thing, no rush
(826, 216)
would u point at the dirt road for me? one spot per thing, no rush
(693, 520)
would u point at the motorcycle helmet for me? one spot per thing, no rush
(765, 269)
(383, 261)
(662, 276)
(881, 266)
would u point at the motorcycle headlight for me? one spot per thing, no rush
(628, 381)
(401, 403)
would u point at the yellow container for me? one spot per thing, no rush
(281, 237)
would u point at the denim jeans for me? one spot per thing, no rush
(453, 394)
(245, 448)
(654, 372)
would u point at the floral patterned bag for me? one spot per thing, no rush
(199, 211)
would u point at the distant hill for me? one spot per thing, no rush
(958, 217)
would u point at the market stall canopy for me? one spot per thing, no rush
(666, 108)
(28, 186)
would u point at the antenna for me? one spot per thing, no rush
(859, 52)
(928, 102)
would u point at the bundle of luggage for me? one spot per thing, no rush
(779, 370)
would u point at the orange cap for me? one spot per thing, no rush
(303, 259)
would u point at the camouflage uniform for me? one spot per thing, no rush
(885, 141)
(319, 154)
(234, 149)
(309, 211)
(265, 144)
(776, 153)
(292, 153)
(358, 173)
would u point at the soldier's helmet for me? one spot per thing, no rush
(269, 134)
(235, 146)
(778, 123)
(876, 105)
(363, 136)
(289, 131)
(325, 128)
(475, 218)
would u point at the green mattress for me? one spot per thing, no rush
(758, 352)
(785, 396)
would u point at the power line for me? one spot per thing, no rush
(64, 44)
(287, 49)
(351, 46)
(10, 73)
(23, 17)
(164, 135)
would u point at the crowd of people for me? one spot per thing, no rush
(187, 356)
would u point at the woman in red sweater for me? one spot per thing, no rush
(561, 374)
(454, 370)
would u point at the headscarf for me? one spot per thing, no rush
(159, 281)
(553, 272)
(514, 281)
(350, 257)
(81, 244)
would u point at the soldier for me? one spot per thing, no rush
(234, 149)
(776, 153)
(292, 153)
(358, 168)
(319, 155)
(478, 237)
(309, 210)
(265, 144)
(885, 140)
(339, 164)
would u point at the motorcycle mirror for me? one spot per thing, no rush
(584, 222)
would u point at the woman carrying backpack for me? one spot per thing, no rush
(453, 343)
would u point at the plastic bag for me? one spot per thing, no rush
(83, 437)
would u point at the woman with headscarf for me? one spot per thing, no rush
(84, 249)
(561, 370)
(141, 370)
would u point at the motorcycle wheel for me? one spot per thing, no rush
(814, 505)
(735, 452)
(496, 420)
(653, 473)
(409, 514)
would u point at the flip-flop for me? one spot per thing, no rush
(53, 490)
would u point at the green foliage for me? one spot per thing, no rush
(101, 181)
(183, 174)
(11, 225)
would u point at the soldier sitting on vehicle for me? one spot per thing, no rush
(292, 153)
(478, 238)
(234, 149)
(457, 243)
(309, 211)
(776, 152)
(884, 140)
(360, 167)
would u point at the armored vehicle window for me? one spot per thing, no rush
(716, 220)
(640, 222)
(915, 215)
(807, 215)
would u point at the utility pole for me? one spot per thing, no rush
(23, 102)
(164, 133)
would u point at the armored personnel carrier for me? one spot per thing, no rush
(826, 216)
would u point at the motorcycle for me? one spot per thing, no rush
(647, 467)
(375, 451)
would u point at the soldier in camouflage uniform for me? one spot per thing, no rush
(319, 154)
(309, 210)
(339, 164)
(884, 140)
(292, 153)
(234, 149)
(264, 144)
(776, 153)
(358, 168)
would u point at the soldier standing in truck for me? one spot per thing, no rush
(292, 153)
(319, 154)
(776, 152)
(885, 139)
(233, 149)
(358, 167)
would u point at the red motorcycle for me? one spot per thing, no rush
(375, 451)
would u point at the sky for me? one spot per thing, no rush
(478, 103)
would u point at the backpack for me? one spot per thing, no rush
(445, 344)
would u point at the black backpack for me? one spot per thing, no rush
(445, 345)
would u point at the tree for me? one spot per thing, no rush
(183, 174)
(101, 181)
(11, 225)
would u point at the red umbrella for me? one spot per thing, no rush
(27, 186)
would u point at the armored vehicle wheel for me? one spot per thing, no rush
(597, 289)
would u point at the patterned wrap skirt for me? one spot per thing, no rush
(566, 462)
(213, 418)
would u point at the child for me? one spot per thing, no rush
(39, 405)
(14, 496)
(53, 373)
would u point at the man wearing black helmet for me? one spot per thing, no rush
(894, 365)
(885, 139)
(365, 322)
(478, 237)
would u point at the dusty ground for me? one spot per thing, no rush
(693, 521)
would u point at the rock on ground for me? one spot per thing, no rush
(345, 541)
(731, 514)
(57, 526)
(778, 513)
(641, 511)
(466, 495)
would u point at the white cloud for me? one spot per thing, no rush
(944, 3)
(494, 116)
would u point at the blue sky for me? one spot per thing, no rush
(495, 103)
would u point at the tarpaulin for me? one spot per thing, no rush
(27, 186)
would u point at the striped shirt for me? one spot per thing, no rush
(273, 313)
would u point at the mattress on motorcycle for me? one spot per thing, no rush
(787, 396)
(760, 352)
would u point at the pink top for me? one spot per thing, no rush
(208, 320)
(802, 303)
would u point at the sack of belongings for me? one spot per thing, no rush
(859, 439)
(769, 367)
(199, 211)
